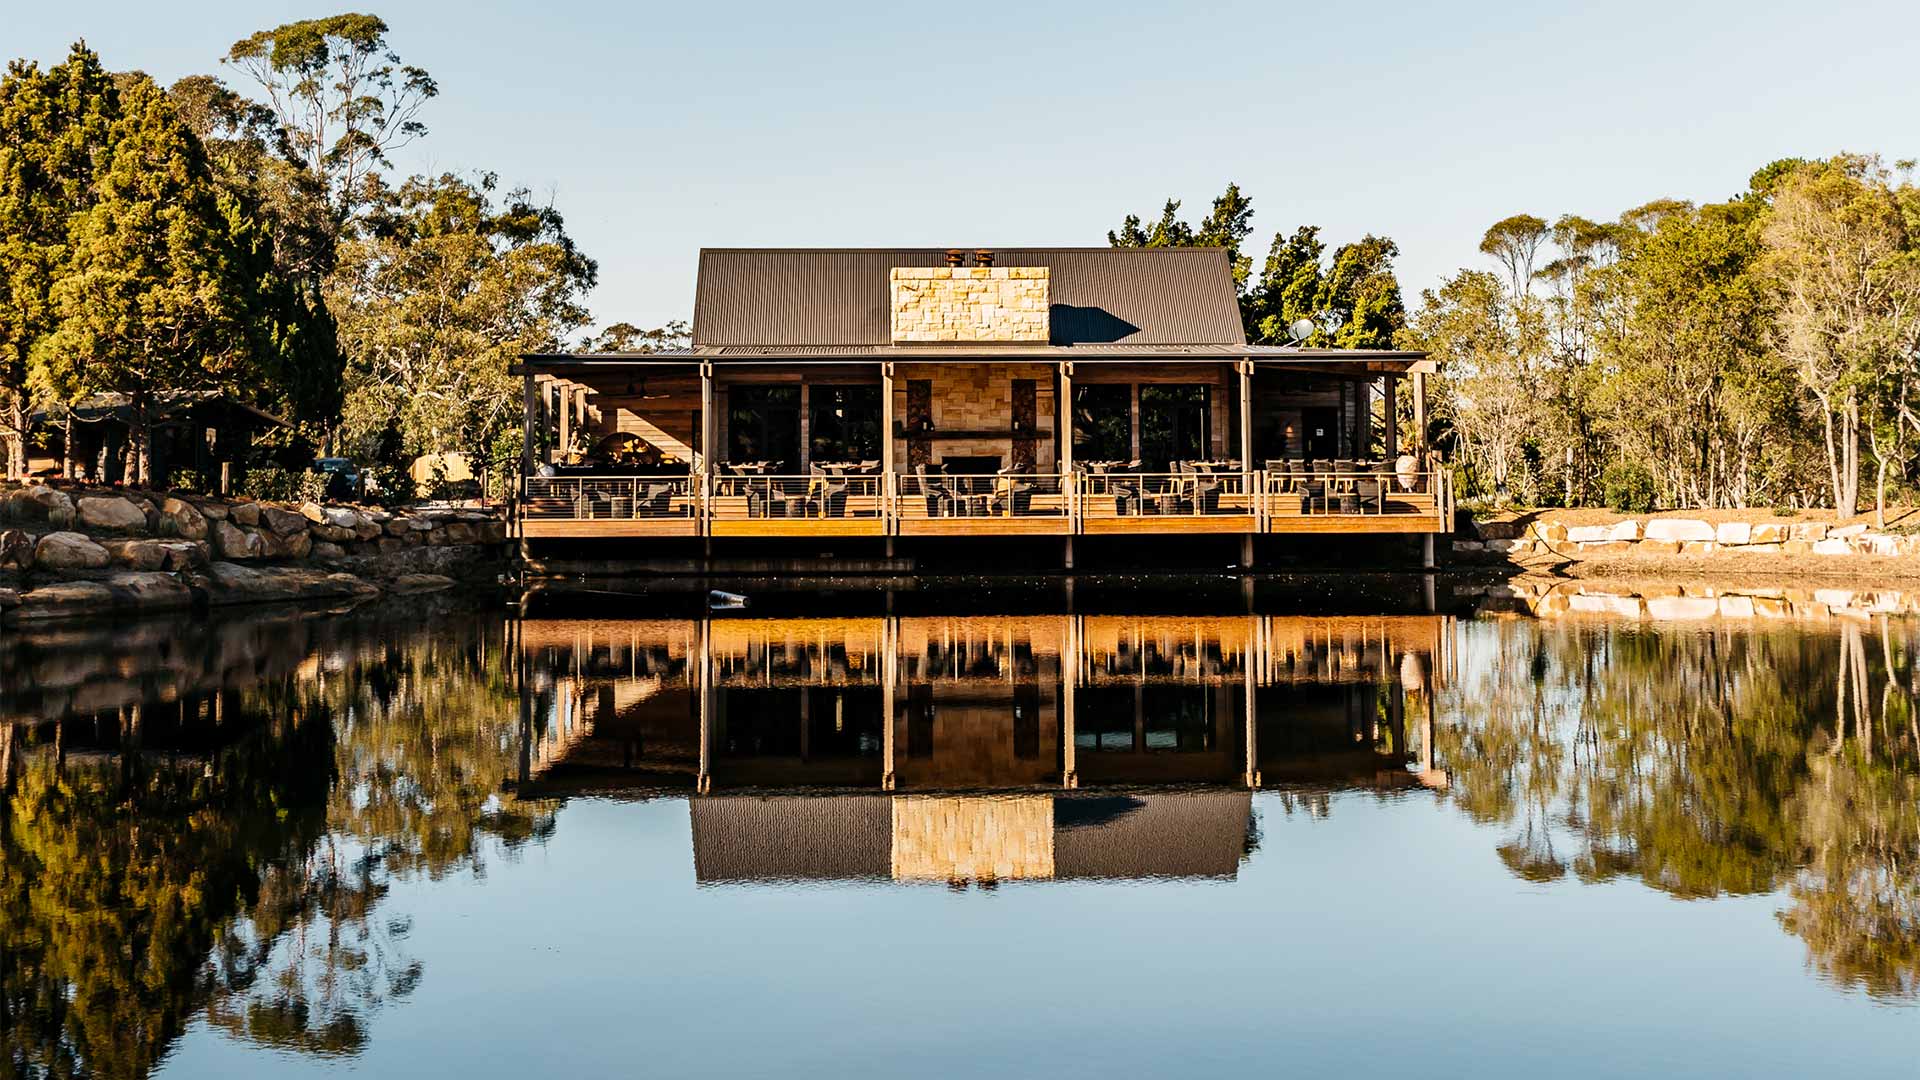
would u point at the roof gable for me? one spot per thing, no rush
(807, 296)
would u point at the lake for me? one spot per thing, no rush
(1120, 828)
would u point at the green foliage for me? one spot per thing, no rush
(1628, 488)
(452, 280)
(283, 485)
(1227, 224)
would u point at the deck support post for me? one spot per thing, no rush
(529, 406)
(1063, 423)
(1420, 412)
(1391, 435)
(1426, 551)
(563, 397)
(706, 418)
(889, 506)
(1246, 551)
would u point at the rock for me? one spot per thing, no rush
(390, 545)
(1466, 546)
(341, 517)
(69, 551)
(215, 511)
(1606, 547)
(1733, 532)
(1657, 547)
(460, 532)
(1698, 547)
(367, 530)
(38, 505)
(282, 522)
(313, 512)
(180, 518)
(1832, 545)
(398, 526)
(1808, 531)
(296, 545)
(327, 551)
(1589, 534)
(1879, 543)
(493, 532)
(233, 542)
(1553, 532)
(245, 513)
(229, 583)
(1767, 533)
(9, 599)
(412, 539)
(137, 554)
(1681, 530)
(1682, 608)
(149, 591)
(111, 512)
(1628, 530)
(421, 524)
(419, 583)
(1847, 532)
(331, 534)
(184, 555)
(65, 598)
(16, 549)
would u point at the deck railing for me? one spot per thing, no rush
(815, 497)
(984, 495)
(1128, 495)
(1356, 493)
(611, 498)
(1273, 498)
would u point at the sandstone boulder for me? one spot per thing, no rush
(367, 530)
(233, 542)
(1767, 532)
(1628, 530)
(148, 591)
(65, 598)
(137, 554)
(1733, 532)
(398, 526)
(182, 519)
(1679, 530)
(493, 532)
(215, 511)
(460, 532)
(38, 505)
(420, 583)
(313, 512)
(184, 555)
(1832, 545)
(1590, 534)
(282, 522)
(69, 551)
(245, 513)
(111, 512)
(9, 599)
(328, 551)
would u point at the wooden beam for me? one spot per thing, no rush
(706, 419)
(529, 406)
(1419, 412)
(1392, 406)
(1064, 424)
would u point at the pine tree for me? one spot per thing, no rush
(148, 302)
(54, 127)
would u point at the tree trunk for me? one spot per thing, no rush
(1850, 460)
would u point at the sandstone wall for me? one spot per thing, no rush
(970, 303)
(1676, 535)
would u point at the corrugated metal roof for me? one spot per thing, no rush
(839, 297)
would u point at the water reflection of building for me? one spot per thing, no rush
(1152, 717)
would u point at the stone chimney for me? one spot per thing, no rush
(971, 303)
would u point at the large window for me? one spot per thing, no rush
(763, 424)
(845, 423)
(1103, 422)
(1174, 424)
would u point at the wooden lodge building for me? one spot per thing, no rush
(917, 396)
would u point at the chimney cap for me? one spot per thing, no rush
(983, 257)
(956, 257)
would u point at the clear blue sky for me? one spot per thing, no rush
(659, 129)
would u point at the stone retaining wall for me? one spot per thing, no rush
(1690, 601)
(82, 550)
(1679, 536)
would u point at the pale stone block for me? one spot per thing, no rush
(1834, 598)
(1682, 530)
(1832, 545)
(1736, 607)
(1589, 534)
(1657, 547)
(1848, 531)
(1628, 530)
(1768, 533)
(1733, 532)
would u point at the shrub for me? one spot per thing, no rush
(284, 485)
(1627, 488)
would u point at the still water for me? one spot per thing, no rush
(1316, 839)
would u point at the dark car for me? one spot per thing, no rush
(343, 478)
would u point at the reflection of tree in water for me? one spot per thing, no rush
(425, 739)
(1707, 762)
(140, 886)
